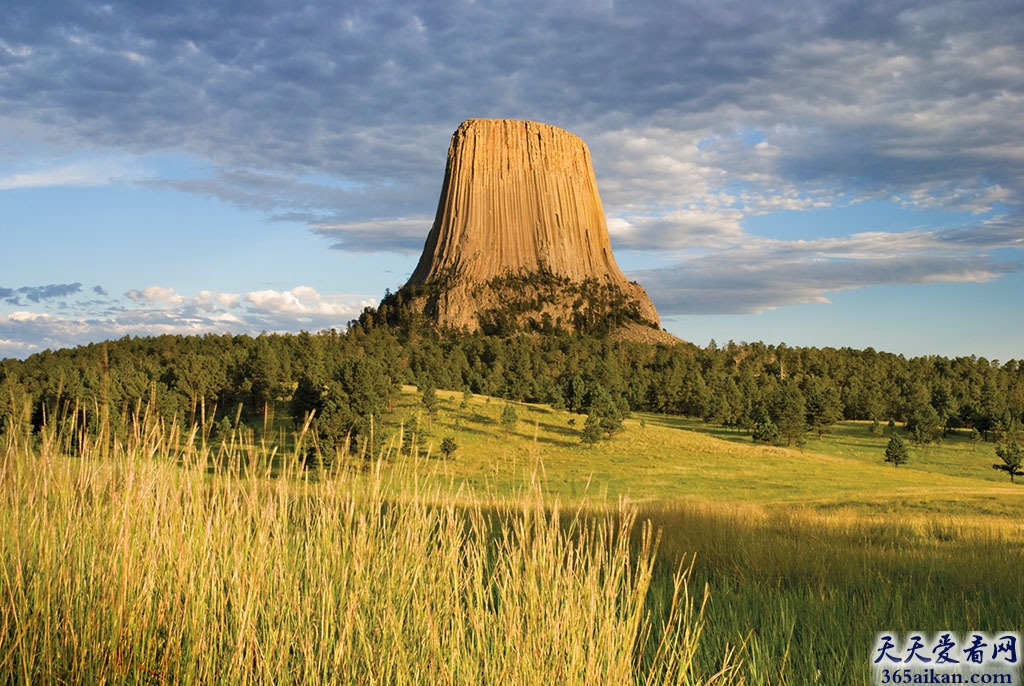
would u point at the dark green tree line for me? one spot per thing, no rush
(347, 380)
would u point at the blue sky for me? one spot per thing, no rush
(814, 173)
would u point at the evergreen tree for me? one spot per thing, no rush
(1013, 459)
(448, 447)
(824, 405)
(576, 393)
(924, 424)
(509, 419)
(262, 375)
(222, 430)
(606, 410)
(992, 406)
(791, 413)
(695, 395)
(334, 419)
(429, 400)
(592, 430)
(896, 452)
(351, 404)
(306, 398)
(765, 431)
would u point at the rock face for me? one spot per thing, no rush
(520, 238)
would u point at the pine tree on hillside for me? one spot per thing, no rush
(896, 452)
(592, 430)
(448, 447)
(791, 409)
(765, 431)
(1013, 459)
(509, 419)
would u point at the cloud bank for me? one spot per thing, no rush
(700, 116)
(154, 311)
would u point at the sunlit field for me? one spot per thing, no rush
(806, 552)
(158, 561)
(149, 553)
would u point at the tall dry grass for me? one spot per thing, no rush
(805, 590)
(146, 556)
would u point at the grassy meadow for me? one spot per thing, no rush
(663, 458)
(672, 553)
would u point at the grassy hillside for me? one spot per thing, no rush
(806, 552)
(663, 458)
(527, 557)
(159, 558)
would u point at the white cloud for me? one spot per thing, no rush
(92, 173)
(25, 333)
(305, 304)
(757, 274)
(158, 310)
(228, 299)
(25, 317)
(16, 348)
(158, 294)
(15, 50)
(282, 310)
(910, 100)
(745, 109)
(679, 230)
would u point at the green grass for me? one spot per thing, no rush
(160, 562)
(663, 458)
(528, 558)
(954, 455)
(806, 552)
(806, 590)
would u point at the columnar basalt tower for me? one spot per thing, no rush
(520, 236)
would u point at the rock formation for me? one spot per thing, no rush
(520, 238)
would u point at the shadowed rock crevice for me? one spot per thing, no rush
(520, 239)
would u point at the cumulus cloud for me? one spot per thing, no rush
(25, 333)
(304, 306)
(699, 116)
(155, 294)
(687, 229)
(156, 310)
(758, 274)
(16, 348)
(368, 93)
(38, 294)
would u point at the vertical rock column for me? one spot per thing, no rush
(518, 197)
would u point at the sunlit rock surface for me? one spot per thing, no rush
(520, 233)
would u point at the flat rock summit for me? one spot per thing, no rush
(520, 239)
